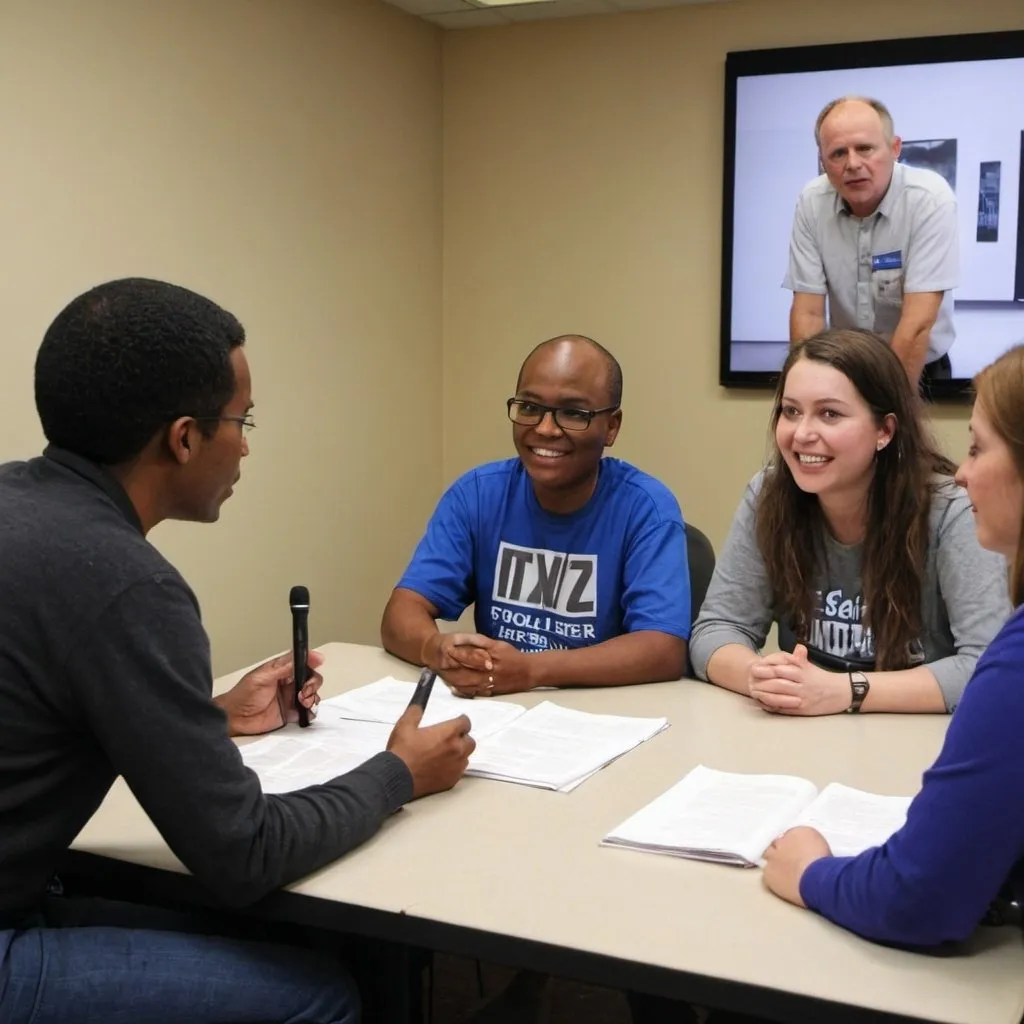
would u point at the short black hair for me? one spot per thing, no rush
(614, 370)
(127, 357)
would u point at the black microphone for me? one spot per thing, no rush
(298, 599)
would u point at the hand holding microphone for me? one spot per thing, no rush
(264, 698)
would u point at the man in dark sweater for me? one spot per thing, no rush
(144, 395)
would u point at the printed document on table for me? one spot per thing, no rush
(732, 818)
(726, 817)
(549, 746)
(295, 758)
(554, 747)
(854, 821)
(386, 699)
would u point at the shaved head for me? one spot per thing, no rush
(570, 388)
(613, 372)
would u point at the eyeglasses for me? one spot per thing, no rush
(529, 414)
(246, 421)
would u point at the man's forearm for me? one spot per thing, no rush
(646, 656)
(804, 325)
(405, 630)
(910, 343)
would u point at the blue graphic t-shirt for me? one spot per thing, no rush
(543, 581)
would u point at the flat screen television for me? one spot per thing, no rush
(958, 105)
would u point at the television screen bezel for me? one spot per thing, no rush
(834, 57)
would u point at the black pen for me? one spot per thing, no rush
(424, 685)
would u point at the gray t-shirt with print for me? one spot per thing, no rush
(964, 598)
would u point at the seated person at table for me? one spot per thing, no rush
(144, 395)
(576, 563)
(962, 845)
(858, 543)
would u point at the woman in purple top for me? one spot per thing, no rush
(963, 842)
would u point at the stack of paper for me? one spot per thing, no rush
(553, 747)
(731, 818)
(549, 746)
(386, 700)
(293, 758)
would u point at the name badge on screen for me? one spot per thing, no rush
(887, 260)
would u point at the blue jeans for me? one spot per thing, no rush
(94, 962)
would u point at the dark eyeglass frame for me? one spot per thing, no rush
(555, 410)
(246, 421)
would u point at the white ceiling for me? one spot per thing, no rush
(461, 14)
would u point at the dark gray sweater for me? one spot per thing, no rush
(105, 670)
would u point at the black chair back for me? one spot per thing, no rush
(701, 556)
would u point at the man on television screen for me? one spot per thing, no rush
(878, 238)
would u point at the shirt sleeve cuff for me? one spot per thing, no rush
(675, 629)
(804, 287)
(393, 775)
(818, 879)
(446, 610)
(928, 286)
(952, 675)
(709, 640)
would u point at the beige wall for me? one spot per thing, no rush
(285, 157)
(282, 156)
(582, 186)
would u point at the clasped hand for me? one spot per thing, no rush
(788, 684)
(474, 665)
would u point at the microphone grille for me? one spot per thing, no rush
(298, 596)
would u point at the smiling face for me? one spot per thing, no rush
(563, 464)
(856, 155)
(827, 434)
(994, 485)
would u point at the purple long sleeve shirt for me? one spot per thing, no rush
(964, 836)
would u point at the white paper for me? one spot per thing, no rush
(853, 821)
(549, 746)
(295, 758)
(387, 698)
(712, 815)
(558, 748)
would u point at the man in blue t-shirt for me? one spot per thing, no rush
(576, 563)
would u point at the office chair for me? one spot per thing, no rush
(701, 556)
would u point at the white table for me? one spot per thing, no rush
(516, 875)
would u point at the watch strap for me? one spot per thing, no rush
(859, 687)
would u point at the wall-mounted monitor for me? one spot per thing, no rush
(957, 103)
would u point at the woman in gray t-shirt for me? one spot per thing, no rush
(858, 543)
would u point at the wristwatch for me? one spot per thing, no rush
(859, 687)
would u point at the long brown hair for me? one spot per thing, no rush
(790, 523)
(1000, 391)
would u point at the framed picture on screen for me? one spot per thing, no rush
(957, 103)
